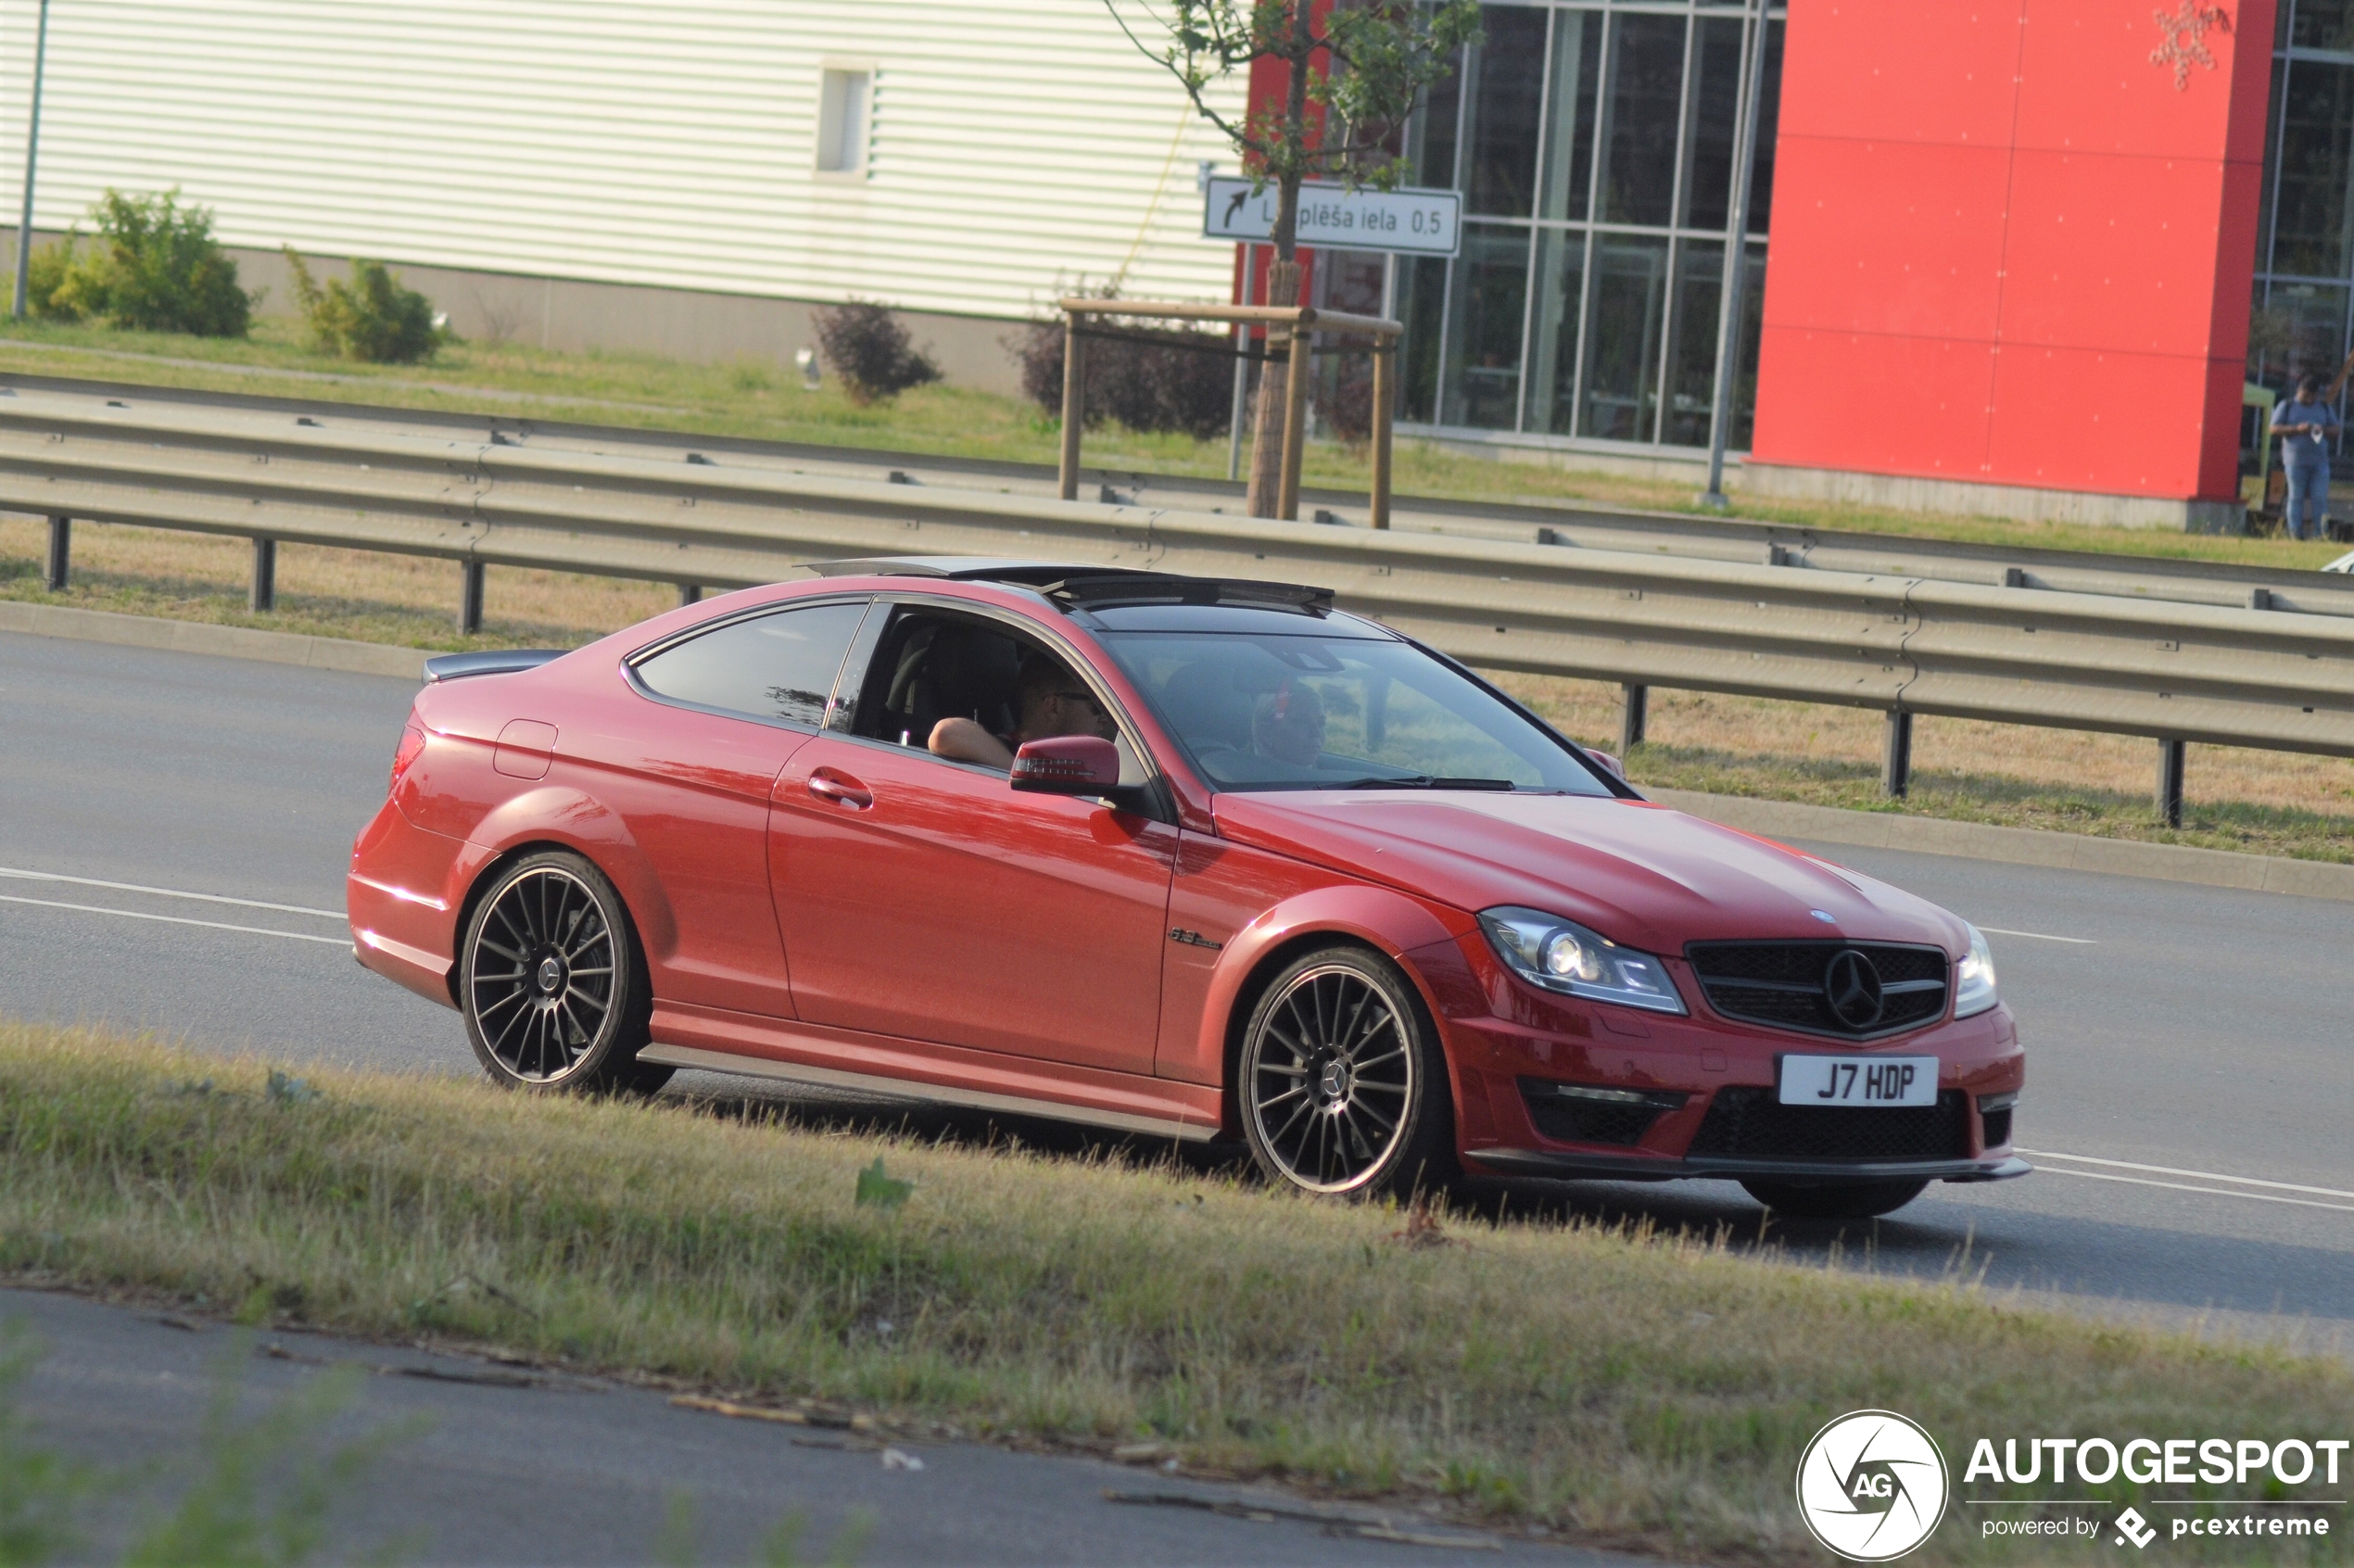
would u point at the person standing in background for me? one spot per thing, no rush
(2306, 424)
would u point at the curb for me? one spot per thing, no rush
(2018, 846)
(228, 642)
(1781, 819)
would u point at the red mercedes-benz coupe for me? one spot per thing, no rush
(1188, 858)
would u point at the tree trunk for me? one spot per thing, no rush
(1266, 498)
(1267, 420)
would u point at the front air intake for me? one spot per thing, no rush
(1750, 1123)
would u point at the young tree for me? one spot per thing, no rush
(1352, 70)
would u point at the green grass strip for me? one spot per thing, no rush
(1623, 1385)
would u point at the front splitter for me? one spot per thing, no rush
(1626, 1168)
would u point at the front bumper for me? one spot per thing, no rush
(1504, 1038)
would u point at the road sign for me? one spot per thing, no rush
(1332, 217)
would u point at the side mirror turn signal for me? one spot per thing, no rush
(1068, 764)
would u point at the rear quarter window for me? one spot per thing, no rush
(778, 668)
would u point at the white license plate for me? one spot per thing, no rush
(1859, 1081)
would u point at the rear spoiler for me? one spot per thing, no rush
(497, 660)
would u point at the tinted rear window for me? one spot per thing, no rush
(779, 667)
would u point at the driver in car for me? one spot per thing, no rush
(1052, 703)
(1290, 725)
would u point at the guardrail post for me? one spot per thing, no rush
(470, 600)
(2172, 756)
(1384, 394)
(1074, 402)
(1295, 358)
(1896, 762)
(690, 593)
(1631, 717)
(264, 596)
(60, 552)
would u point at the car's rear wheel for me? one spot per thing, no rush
(1856, 1200)
(1341, 1085)
(552, 982)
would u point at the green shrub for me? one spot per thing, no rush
(373, 317)
(44, 273)
(153, 267)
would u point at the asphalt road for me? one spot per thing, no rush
(470, 1463)
(2188, 1094)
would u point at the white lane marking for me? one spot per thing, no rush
(179, 920)
(168, 893)
(2186, 1187)
(2040, 936)
(2195, 1175)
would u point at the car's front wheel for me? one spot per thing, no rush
(1854, 1200)
(1342, 1086)
(551, 983)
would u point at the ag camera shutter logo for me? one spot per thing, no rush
(1872, 1486)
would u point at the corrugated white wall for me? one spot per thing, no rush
(628, 141)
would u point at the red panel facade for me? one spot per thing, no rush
(2008, 248)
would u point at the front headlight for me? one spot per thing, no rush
(1559, 955)
(1974, 982)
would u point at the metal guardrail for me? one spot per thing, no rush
(1905, 644)
(1567, 522)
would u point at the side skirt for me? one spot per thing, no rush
(931, 1092)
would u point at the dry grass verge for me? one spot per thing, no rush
(1629, 1387)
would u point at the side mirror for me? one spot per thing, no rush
(1068, 764)
(1608, 760)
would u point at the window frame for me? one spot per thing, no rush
(831, 160)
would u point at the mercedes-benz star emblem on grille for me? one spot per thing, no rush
(1851, 989)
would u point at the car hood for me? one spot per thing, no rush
(1640, 874)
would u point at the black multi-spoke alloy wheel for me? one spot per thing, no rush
(1341, 1084)
(1853, 1200)
(552, 982)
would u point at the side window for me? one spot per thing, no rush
(929, 666)
(776, 667)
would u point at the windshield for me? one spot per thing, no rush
(1330, 713)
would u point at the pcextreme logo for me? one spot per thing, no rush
(1872, 1486)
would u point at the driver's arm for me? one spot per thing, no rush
(960, 740)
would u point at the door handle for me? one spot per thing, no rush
(841, 788)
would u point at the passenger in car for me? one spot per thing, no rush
(1290, 725)
(1052, 703)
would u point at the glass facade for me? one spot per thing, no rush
(2305, 240)
(1593, 143)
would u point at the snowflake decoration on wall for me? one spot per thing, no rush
(2184, 38)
